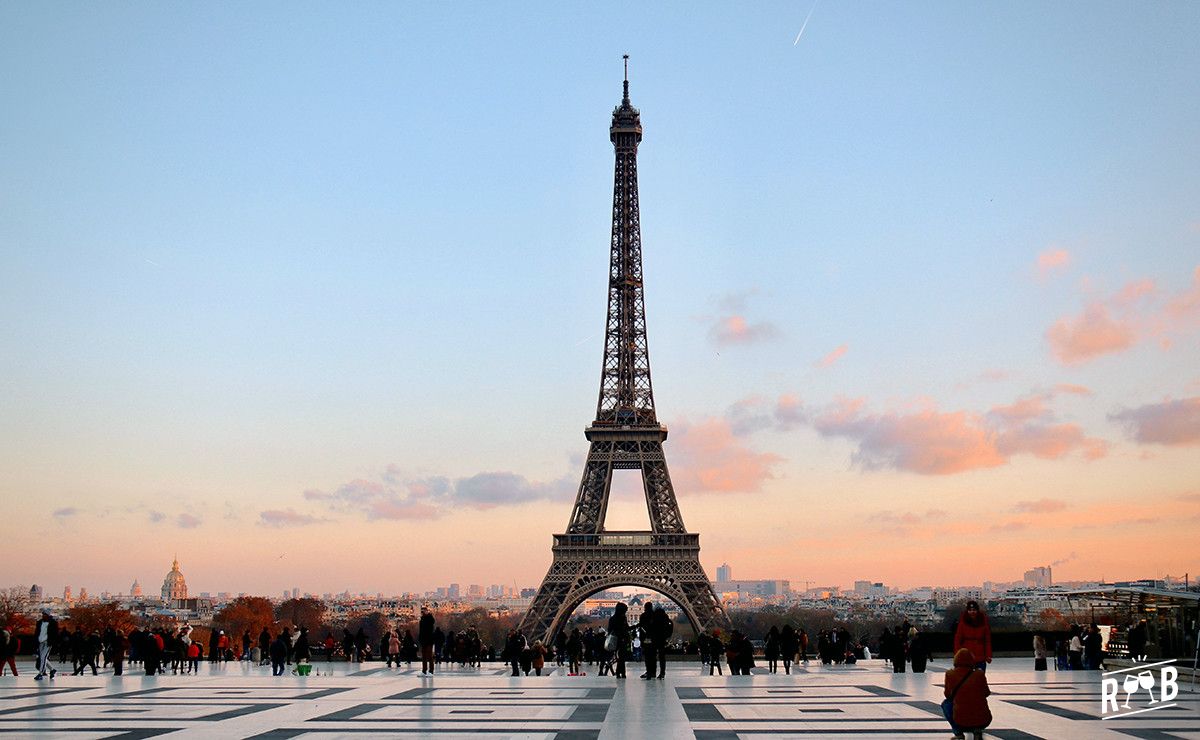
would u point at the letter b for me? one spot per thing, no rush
(1170, 686)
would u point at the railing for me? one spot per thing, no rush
(627, 539)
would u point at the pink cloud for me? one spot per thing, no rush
(188, 521)
(1052, 260)
(1072, 389)
(928, 442)
(706, 457)
(753, 414)
(1172, 422)
(1136, 290)
(730, 330)
(1186, 305)
(1013, 526)
(280, 518)
(1040, 506)
(1023, 409)
(932, 442)
(1090, 335)
(831, 358)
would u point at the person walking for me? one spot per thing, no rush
(302, 650)
(8, 651)
(560, 647)
(788, 645)
(618, 629)
(1093, 648)
(966, 691)
(425, 635)
(279, 653)
(575, 651)
(975, 634)
(663, 629)
(1075, 650)
(264, 646)
(771, 649)
(899, 648)
(513, 645)
(393, 649)
(538, 656)
(46, 633)
(1039, 653)
(193, 658)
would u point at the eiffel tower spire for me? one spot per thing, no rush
(625, 435)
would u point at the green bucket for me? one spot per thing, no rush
(303, 669)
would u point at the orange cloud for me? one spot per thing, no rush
(1172, 423)
(1052, 260)
(833, 356)
(931, 442)
(1090, 335)
(708, 458)
(1186, 305)
(1071, 388)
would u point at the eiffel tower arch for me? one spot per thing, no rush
(625, 435)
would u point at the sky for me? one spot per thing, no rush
(313, 294)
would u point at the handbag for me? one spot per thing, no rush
(948, 704)
(610, 643)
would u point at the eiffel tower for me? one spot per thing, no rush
(625, 435)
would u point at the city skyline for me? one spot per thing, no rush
(322, 302)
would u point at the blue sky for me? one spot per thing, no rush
(256, 249)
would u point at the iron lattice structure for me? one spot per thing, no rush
(625, 435)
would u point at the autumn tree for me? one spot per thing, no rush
(245, 613)
(14, 610)
(305, 612)
(97, 617)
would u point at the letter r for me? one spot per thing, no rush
(1170, 686)
(1109, 695)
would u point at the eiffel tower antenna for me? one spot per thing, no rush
(625, 435)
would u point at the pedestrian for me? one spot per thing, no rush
(560, 647)
(331, 645)
(974, 634)
(1137, 641)
(278, 655)
(8, 651)
(425, 630)
(538, 656)
(918, 651)
(1075, 649)
(513, 646)
(393, 649)
(193, 658)
(120, 648)
(618, 634)
(575, 651)
(716, 648)
(347, 645)
(302, 651)
(1093, 648)
(46, 633)
(1039, 653)
(663, 628)
(966, 691)
(649, 649)
(899, 648)
(771, 649)
(264, 646)
(788, 645)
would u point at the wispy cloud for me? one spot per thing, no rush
(65, 513)
(1052, 260)
(1173, 422)
(280, 518)
(831, 358)
(755, 413)
(395, 495)
(1040, 506)
(731, 327)
(188, 521)
(1117, 323)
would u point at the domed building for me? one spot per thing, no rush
(136, 589)
(174, 588)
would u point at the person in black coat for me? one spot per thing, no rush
(918, 650)
(649, 647)
(279, 651)
(619, 626)
(425, 636)
(302, 651)
(663, 629)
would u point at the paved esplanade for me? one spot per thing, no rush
(238, 700)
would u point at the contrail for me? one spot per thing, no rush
(805, 24)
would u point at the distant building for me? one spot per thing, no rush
(475, 591)
(83, 594)
(528, 593)
(174, 587)
(455, 591)
(136, 589)
(295, 592)
(1038, 577)
(67, 597)
(724, 573)
(35, 594)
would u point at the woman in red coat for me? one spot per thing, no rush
(974, 634)
(967, 689)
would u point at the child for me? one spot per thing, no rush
(966, 693)
(193, 654)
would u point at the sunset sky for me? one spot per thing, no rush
(313, 294)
